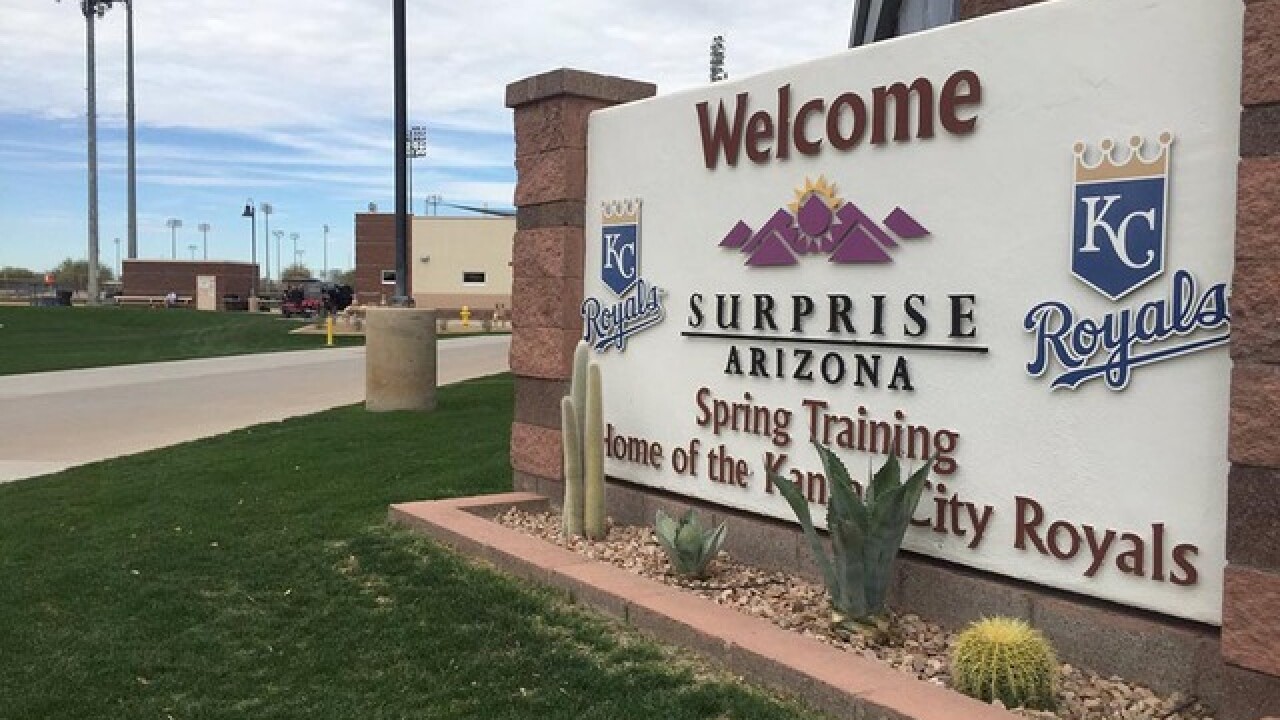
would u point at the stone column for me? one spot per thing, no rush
(1251, 606)
(551, 112)
(400, 359)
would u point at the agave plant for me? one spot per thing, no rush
(866, 533)
(689, 546)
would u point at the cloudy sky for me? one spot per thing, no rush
(290, 102)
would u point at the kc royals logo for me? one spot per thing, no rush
(638, 305)
(1118, 246)
(1117, 240)
(620, 246)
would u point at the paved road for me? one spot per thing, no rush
(52, 421)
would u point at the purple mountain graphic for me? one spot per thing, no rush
(846, 236)
(904, 225)
(861, 239)
(774, 244)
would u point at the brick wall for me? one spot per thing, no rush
(376, 251)
(1251, 606)
(551, 113)
(158, 277)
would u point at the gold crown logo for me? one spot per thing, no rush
(620, 212)
(1134, 166)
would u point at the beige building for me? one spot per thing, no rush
(453, 261)
(462, 261)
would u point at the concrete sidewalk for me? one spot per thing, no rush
(56, 420)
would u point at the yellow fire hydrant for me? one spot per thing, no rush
(465, 314)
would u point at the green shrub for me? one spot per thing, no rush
(1005, 659)
(865, 534)
(689, 546)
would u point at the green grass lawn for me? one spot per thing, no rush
(40, 339)
(252, 575)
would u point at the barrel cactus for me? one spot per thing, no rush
(1005, 659)
(582, 436)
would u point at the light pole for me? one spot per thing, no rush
(279, 257)
(717, 59)
(119, 267)
(266, 209)
(192, 247)
(92, 9)
(133, 155)
(401, 105)
(433, 200)
(173, 224)
(253, 243)
(204, 230)
(417, 149)
(325, 275)
(294, 237)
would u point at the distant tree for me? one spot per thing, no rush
(296, 271)
(9, 272)
(75, 274)
(342, 277)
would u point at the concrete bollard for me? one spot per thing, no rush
(400, 359)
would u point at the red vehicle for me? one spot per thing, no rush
(299, 300)
(312, 298)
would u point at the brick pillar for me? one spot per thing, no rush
(551, 113)
(1251, 605)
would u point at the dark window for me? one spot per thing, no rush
(473, 278)
(388, 277)
(883, 19)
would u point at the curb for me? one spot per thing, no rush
(828, 679)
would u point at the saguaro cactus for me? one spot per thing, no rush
(571, 439)
(582, 432)
(593, 459)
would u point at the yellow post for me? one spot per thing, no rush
(328, 330)
(465, 314)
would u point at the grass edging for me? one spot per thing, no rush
(824, 677)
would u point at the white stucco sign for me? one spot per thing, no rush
(1004, 245)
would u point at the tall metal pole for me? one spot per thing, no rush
(251, 212)
(173, 224)
(325, 275)
(90, 9)
(204, 231)
(133, 154)
(279, 256)
(402, 161)
(267, 209)
(294, 238)
(417, 148)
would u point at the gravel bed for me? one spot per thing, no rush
(799, 605)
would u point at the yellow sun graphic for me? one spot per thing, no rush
(821, 188)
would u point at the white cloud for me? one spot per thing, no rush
(279, 65)
(282, 98)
